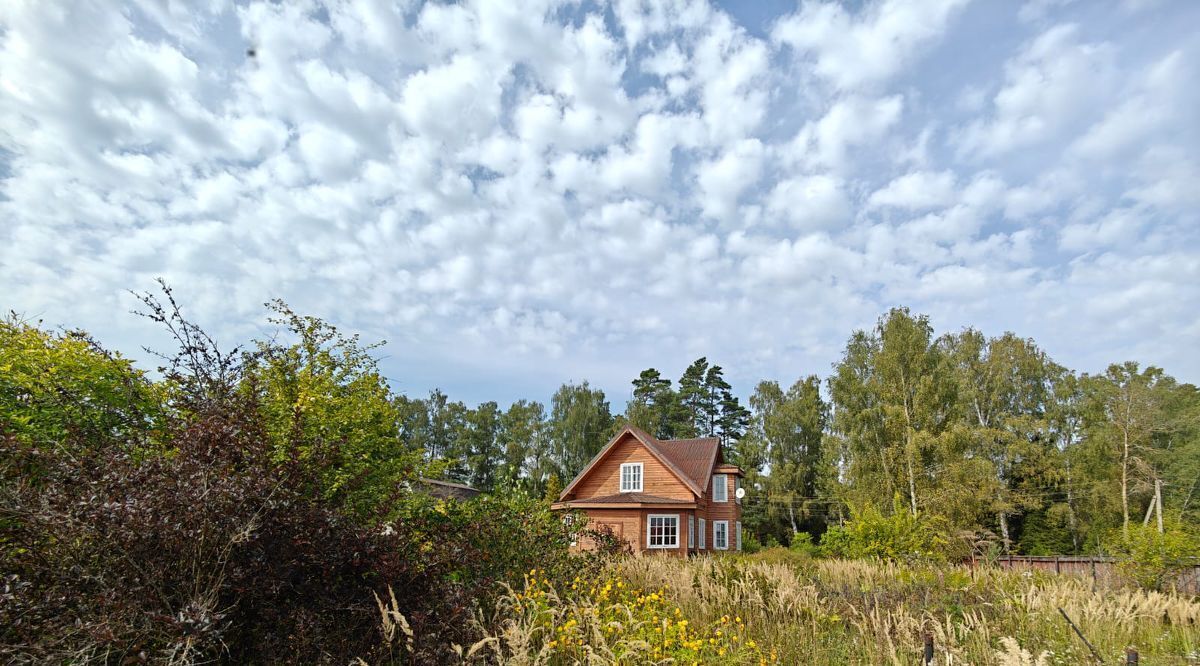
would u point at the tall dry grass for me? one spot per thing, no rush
(833, 611)
(794, 610)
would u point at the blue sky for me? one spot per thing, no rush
(514, 195)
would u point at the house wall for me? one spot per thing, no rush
(712, 511)
(632, 526)
(605, 477)
(626, 523)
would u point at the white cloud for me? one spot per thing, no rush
(811, 202)
(849, 122)
(853, 50)
(722, 180)
(1054, 82)
(492, 184)
(916, 191)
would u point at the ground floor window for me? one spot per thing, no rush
(691, 531)
(703, 534)
(721, 534)
(663, 531)
(739, 535)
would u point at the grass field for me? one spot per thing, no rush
(775, 607)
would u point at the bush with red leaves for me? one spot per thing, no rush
(202, 541)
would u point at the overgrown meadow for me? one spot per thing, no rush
(263, 504)
(780, 607)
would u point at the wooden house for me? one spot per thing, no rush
(675, 496)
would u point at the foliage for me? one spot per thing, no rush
(252, 532)
(703, 406)
(606, 620)
(802, 543)
(323, 395)
(1155, 560)
(897, 536)
(55, 386)
(580, 422)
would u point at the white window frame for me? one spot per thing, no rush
(738, 536)
(569, 521)
(737, 484)
(641, 475)
(724, 486)
(717, 542)
(691, 530)
(650, 528)
(703, 534)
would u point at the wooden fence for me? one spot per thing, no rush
(1101, 570)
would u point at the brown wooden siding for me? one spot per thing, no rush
(605, 477)
(712, 511)
(625, 523)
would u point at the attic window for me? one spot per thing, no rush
(631, 477)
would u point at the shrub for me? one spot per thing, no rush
(1153, 560)
(227, 541)
(802, 543)
(216, 552)
(897, 536)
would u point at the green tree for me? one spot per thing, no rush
(580, 422)
(894, 399)
(1004, 385)
(1128, 414)
(323, 395)
(654, 406)
(693, 399)
(480, 446)
(793, 425)
(522, 440)
(55, 386)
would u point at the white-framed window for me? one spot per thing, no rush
(569, 521)
(721, 534)
(738, 534)
(737, 484)
(662, 530)
(720, 489)
(631, 477)
(691, 530)
(703, 535)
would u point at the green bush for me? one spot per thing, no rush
(898, 536)
(802, 542)
(1154, 560)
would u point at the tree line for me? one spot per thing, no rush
(1005, 447)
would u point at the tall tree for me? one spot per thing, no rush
(654, 406)
(894, 396)
(793, 425)
(706, 405)
(522, 442)
(580, 422)
(478, 442)
(1128, 412)
(1004, 385)
(693, 398)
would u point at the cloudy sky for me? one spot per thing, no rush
(514, 196)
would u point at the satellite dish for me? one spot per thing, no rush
(740, 493)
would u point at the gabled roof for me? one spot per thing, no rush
(690, 460)
(694, 456)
